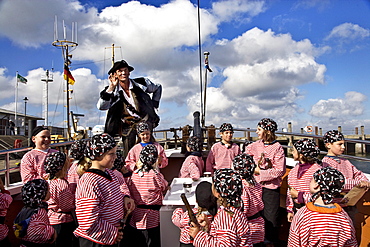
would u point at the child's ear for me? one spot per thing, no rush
(328, 146)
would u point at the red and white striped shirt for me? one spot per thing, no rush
(99, 206)
(133, 156)
(5, 201)
(181, 219)
(32, 164)
(252, 204)
(321, 226)
(301, 184)
(61, 202)
(73, 177)
(220, 156)
(123, 185)
(146, 190)
(192, 167)
(270, 178)
(39, 229)
(225, 230)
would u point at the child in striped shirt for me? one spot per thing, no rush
(229, 226)
(32, 163)
(99, 201)
(269, 156)
(207, 204)
(147, 187)
(222, 153)
(322, 222)
(193, 165)
(305, 151)
(334, 143)
(61, 202)
(79, 165)
(5, 201)
(32, 224)
(251, 197)
(145, 138)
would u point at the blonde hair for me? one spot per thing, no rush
(83, 165)
(268, 136)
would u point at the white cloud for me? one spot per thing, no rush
(340, 108)
(227, 10)
(347, 32)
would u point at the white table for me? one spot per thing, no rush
(170, 234)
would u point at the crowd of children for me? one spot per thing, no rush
(94, 197)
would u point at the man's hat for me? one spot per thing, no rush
(118, 65)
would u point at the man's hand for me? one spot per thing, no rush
(113, 78)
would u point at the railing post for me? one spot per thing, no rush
(248, 135)
(363, 146)
(211, 132)
(165, 140)
(7, 172)
(356, 131)
(317, 133)
(320, 131)
(185, 137)
(340, 129)
(290, 139)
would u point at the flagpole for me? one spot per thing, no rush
(16, 99)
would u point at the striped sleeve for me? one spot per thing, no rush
(189, 169)
(162, 154)
(39, 229)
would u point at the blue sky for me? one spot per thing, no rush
(304, 62)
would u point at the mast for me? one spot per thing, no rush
(112, 47)
(65, 46)
(47, 78)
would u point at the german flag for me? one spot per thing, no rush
(68, 76)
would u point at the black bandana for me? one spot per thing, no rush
(78, 149)
(333, 136)
(268, 124)
(54, 162)
(226, 127)
(205, 198)
(148, 156)
(119, 162)
(331, 182)
(33, 192)
(307, 148)
(141, 127)
(99, 145)
(244, 165)
(229, 184)
(194, 144)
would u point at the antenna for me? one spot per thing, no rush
(47, 78)
(112, 47)
(66, 46)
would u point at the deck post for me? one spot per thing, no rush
(363, 146)
(290, 139)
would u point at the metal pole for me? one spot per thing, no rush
(25, 113)
(67, 87)
(16, 99)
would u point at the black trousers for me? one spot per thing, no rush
(271, 199)
(65, 236)
(141, 238)
(87, 243)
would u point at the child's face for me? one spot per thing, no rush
(226, 136)
(336, 148)
(145, 136)
(314, 187)
(295, 154)
(260, 133)
(42, 140)
(108, 159)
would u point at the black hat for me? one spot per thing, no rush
(118, 65)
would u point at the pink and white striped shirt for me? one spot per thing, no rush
(220, 156)
(99, 206)
(146, 190)
(226, 230)
(32, 164)
(5, 201)
(73, 177)
(192, 167)
(134, 154)
(39, 229)
(61, 202)
(253, 204)
(321, 226)
(269, 178)
(181, 219)
(123, 185)
(301, 184)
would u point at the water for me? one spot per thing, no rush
(362, 165)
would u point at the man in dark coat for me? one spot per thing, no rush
(128, 102)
